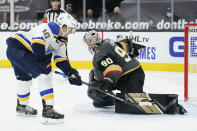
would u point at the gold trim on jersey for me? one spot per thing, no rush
(61, 39)
(130, 70)
(112, 68)
(64, 41)
(49, 65)
(60, 60)
(22, 42)
(38, 42)
(55, 35)
(124, 46)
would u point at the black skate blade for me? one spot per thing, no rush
(51, 121)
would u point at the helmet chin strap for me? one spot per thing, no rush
(62, 31)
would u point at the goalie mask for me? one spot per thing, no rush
(93, 40)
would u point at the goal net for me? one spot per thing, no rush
(190, 63)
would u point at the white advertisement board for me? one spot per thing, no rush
(161, 47)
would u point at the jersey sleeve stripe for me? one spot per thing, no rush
(23, 42)
(112, 72)
(60, 60)
(111, 69)
(39, 38)
(38, 42)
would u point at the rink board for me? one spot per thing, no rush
(163, 52)
(88, 65)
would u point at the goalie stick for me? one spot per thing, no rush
(107, 93)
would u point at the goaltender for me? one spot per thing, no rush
(116, 68)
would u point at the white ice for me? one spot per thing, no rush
(80, 115)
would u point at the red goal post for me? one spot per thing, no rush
(186, 57)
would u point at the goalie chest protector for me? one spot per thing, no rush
(109, 53)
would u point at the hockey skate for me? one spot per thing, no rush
(25, 110)
(50, 116)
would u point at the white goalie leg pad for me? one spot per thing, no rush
(46, 89)
(23, 91)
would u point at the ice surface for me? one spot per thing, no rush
(80, 115)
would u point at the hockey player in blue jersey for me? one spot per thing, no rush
(30, 54)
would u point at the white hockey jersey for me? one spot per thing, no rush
(45, 34)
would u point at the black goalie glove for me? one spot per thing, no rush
(75, 77)
(92, 93)
(99, 99)
(106, 85)
(132, 47)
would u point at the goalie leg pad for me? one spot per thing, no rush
(138, 98)
(168, 103)
(121, 107)
(161, 104)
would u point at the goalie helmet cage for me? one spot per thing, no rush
(190, 62)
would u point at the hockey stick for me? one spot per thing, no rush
(107, 93)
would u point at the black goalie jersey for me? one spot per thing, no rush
(112, 62)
